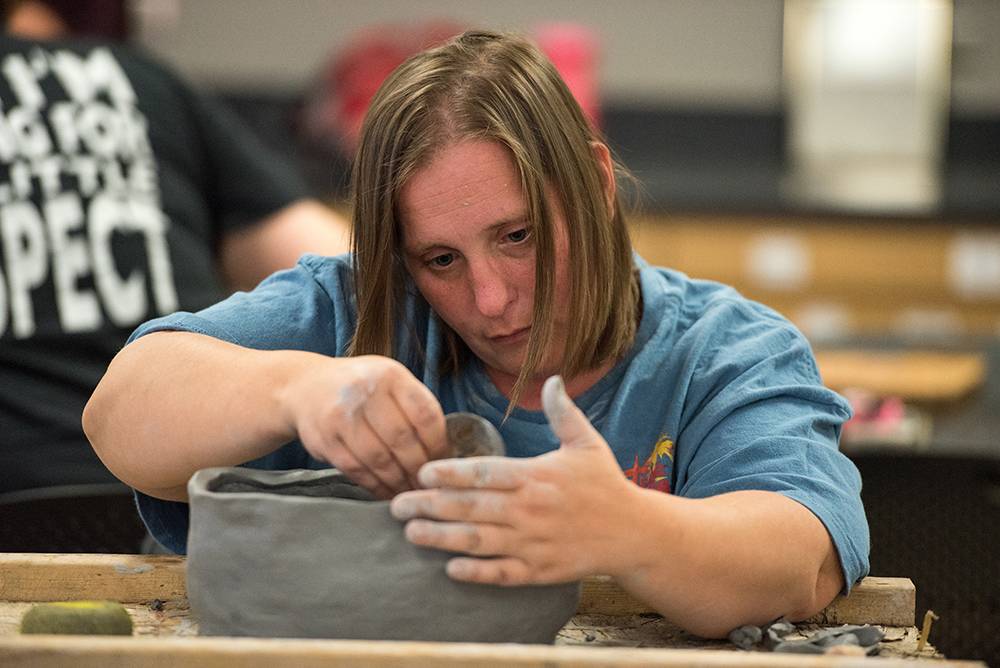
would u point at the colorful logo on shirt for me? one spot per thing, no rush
(654, 473)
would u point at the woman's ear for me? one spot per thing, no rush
(606, 166)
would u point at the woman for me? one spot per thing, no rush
(696, 463)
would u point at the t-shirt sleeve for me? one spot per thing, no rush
(307, 308)
(758, 418)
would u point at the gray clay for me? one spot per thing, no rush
(798, 647)
(271, 554)
(776, 631)
(867, 637)
(745, 637)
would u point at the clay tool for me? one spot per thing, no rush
(925, 630)
(473, 436)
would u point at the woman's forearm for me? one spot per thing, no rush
(740, 558)
(174, 402)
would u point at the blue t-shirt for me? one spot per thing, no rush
(717, 394)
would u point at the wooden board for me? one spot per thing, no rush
(914, 375)
(144, 578)
(173, 619)
(95, 652)
(875, 600)
(124, 578)
(611, 627)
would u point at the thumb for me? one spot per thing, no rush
(568, 422)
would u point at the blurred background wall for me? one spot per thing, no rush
(689, 53)
(695, 99)
(716, 54)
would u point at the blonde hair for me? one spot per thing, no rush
(495, 87)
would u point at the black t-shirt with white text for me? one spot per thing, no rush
(116, 183)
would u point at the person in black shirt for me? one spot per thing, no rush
(124, 194)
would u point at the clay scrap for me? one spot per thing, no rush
(774, 637)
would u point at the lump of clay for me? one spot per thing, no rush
(846, 639)
(309, 554)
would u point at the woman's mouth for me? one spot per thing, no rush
(517, 336)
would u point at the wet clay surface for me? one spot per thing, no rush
(338, 487)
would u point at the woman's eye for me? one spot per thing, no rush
(518, 235)
(443, 260)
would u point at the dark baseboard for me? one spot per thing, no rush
(710, 161)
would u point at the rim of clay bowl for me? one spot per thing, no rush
(201, 484)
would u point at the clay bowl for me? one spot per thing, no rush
(308, 554)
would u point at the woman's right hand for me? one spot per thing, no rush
(369, 417)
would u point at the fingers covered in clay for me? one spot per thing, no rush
(378, 455)
(369, 417)
(396, 436)
(452, 505)
(481, 540)
(360, 473)
(507, 571)
(423, 413)
(566, 420)
(473, 472)
(546, 519)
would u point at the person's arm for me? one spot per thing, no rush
(175, 402)
(739, 558)
(249, 254)
(709, 565)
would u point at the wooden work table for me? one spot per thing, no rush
(610, 628)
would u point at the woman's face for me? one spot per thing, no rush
(470, 248)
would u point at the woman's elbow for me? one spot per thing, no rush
(95, 414)
(99, 421)
(822, 589)
(95, 421)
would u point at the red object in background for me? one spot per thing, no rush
(355, 73)
(872, 408)
(574, 50)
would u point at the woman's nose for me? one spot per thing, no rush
(491, 290)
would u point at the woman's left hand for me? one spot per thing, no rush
(552, 518)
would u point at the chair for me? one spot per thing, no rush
(72, 518)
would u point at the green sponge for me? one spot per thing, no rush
(78, 617)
